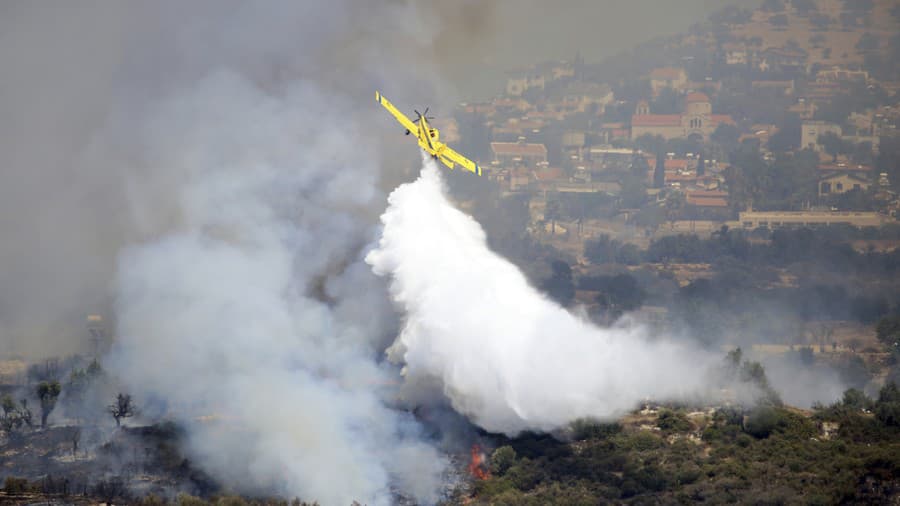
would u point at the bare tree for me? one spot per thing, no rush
(123, 408)
(10, 422)
(74, 437)
(25, 413)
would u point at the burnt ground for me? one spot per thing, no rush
(109, 464)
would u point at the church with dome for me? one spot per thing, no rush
(696, 120)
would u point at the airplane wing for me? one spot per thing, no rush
(464, 162)
(406, 122)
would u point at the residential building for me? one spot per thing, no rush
(537, 76)
(519, 179)
(783, 59)
(479, 108)
(605, 158)
(707, 203)
(610, 132)
(736, 54)
(510, 154)
(514, 128)
(573, 145)
(806, 109)
(822, 92)
(520, 81)
(841, 75)
(667, 77)
(778, 219)
(580, 96)
(828, 169)
(811, 130)
(842, 182)
(779, 87)
(506, 104)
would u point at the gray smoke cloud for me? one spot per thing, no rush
(229, 314)
(250, 307)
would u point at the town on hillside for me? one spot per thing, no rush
(782, 117)
(740, 180)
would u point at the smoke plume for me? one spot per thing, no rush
(211, 168)
(250, 311)
(503, 354)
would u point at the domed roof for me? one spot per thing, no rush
(696, 97)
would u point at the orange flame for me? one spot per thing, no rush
(477, 466)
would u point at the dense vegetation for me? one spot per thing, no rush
(766, 454)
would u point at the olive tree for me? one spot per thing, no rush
(48, 393)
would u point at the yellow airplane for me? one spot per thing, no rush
(429, 138)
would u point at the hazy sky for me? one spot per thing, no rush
(522, 32)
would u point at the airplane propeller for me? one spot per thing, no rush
(425, 115)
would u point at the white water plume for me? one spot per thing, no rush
(506, 356)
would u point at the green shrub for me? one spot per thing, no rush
(493, 487)
(673, 421)
(588, 428)
(688, 475)
(640, 441)
(525, 475)
(856, 400)
(511, 497)
(573, 494)
(887, 408)
(502, 459)
(888, 413)
(763, 420)
(650, 478)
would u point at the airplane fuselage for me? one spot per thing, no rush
(428, 137)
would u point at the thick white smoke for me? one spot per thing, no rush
(253, 310)
(506, 356)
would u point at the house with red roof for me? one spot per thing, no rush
(707, 199)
